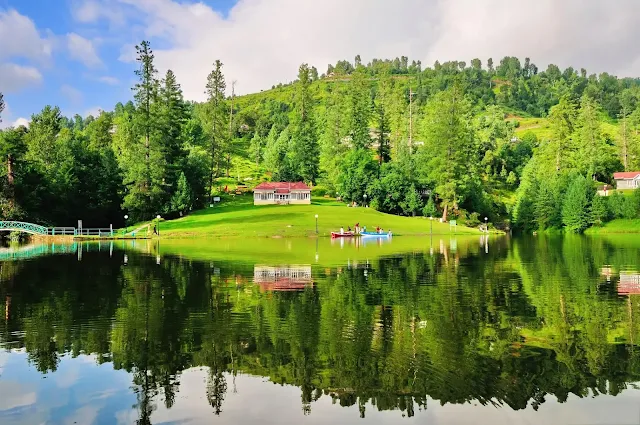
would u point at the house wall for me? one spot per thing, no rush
(275, 198)
(626, 184)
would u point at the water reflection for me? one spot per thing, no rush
(516, 325)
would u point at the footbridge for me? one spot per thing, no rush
(36, 229)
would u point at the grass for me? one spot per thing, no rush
(620, 225)
(237, 216)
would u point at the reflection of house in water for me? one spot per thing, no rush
(607, 272)
(629, 283)
(282, 278)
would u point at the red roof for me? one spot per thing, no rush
(282, 187)
(626, 175)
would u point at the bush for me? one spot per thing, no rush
(473, 220)
(319, 191)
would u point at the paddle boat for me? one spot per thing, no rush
(342, 235)
(375, 235)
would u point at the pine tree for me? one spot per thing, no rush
(181, 201)
(544, 206)
(593, 152)
(384, 149)
(575, 208)
(2, 105)
(304, 143)
(448, 158)
(598, 213)
(562, 118)
(172, 118)
(413, 202)
(360, 109)
(216, 87)
(429, 209)
(256, 148)
(148, 182)
(335, 129)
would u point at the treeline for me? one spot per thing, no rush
(390, 134)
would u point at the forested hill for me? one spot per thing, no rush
(507, 141)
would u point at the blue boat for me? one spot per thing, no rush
(375, 235)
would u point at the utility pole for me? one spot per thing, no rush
(411, 93)
(233, 95)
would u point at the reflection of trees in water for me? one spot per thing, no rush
(511, 327)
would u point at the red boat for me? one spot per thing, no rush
(342, 235)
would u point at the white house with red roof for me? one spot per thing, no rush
(281, 193)
(627, 180)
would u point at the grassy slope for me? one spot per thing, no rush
(239, 217)
(620, 225)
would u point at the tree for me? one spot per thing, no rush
(429, 209)
(358, 170)
(360, 109)
(599, 213)
(575, 208)
(256, 148)
(304, 143)
(448, 155)
(216, 87)
(562, 118)
(172, 117)
(181, 201)
(2, 105)
(145, 119)
(545, 206)
(384, 148)
(592, 151)
(628, 103)
(413, 202)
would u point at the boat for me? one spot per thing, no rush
(375, 235)
(342, 235)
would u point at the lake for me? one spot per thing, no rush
(453, 330)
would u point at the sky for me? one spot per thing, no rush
(80, 54)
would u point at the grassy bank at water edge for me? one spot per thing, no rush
(239, 217)
(620, 225)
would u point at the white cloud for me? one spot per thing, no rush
(21, 121)
(82, 50)
(90, 11)
(73, 95)
(95, 112)
(25, 40)
(14, 78)
(262, 42)
(112, 81)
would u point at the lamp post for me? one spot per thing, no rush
(158, 225)
(365, 199)
(486, 225)
(126, 226)
(431, 220)
(316, 224)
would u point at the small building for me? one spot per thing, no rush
(281, 193)
(282, 278)
(627, 180)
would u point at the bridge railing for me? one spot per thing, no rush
(62, 231)
(95, 232)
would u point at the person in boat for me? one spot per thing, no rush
(364, 229)
(357, 227)
(342, 230)
(378, 229)
(348, 228)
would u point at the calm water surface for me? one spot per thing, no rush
(451, 331)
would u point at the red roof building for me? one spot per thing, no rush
(627, 180)
(281, 193)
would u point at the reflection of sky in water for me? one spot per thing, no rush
(82, 392)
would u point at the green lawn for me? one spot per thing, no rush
(237, 216)
(620, 225)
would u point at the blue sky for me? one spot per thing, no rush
(69, 77)
(79, 54)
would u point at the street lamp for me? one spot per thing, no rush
(365, 199)
(158, 226)
(126, 226)
(316, 224)
(486, 225)
(431, 220)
